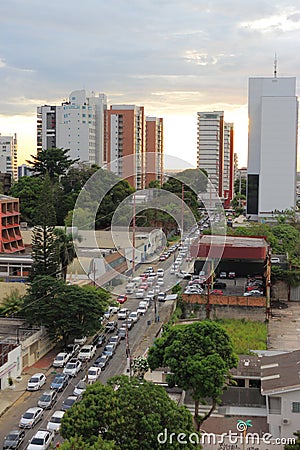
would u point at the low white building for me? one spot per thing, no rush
(10, 363)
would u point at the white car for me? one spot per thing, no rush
(80, 387)
(41, 440)
(140, 293)
(36, 382)
(72, 367)
(31, 417)
(93, 374)
(80, 341)
(150, 294)
(61, 359)
(160, 282)
(87, 352)
(55, 421)
(142, 310)
(123, 313)
(161, 297)
(134, 316)
(160, 272)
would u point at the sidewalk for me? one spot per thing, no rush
(9, 396)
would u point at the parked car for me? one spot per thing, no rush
(93, 374)
(60, 382)
(41, 440)
(142, 309)
(123, 313)
(86, 353)
(134, 315)
(36, 382)
(114, 340)
(55, 421)
(223, 275)
(275, 260)
(47, 399)
(160, 272)
(122, 332)
(80, 341)
(144, 286)
(13, 439)
(254, 293)
(216, 292)
(31, 417)
(231, 275)
(160, 282)
(72, 367)
(61, 359)
(110, 327)
(150, 294)
(80, 387)
(140, 293)
(98, 340)
(161, 297)
(102, 361)
(109, 350)
(128, 323)
(69, 402)
(122, 299)
(72, 349)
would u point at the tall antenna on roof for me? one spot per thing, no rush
(275, 66)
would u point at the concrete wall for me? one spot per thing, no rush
(35, 347)
(12, 368)
(227, 312)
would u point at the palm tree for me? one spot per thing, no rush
(66, 250)
(12, 304)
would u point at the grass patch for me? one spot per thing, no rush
(246, 335)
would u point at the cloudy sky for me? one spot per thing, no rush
(175, 57)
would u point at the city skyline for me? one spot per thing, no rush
(173, 58)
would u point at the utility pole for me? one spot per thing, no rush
(182, 210)
(268, 285)
(128, 355)
(133, 235)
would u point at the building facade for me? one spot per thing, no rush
(215, 151)
(9, 155)
(125, 143)
(77, 124)
(272, 146)
(10, 234)
(154, 150)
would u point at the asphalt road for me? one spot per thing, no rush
(117, 365)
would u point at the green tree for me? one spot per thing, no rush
(54, 161)
(66, 250)
(12, 303)
(44, 242)
(200, 357)
(28, 190)
(128, 412)
(240, 186)
(77, 443)
(66, 311)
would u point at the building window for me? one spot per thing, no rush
(296, 407)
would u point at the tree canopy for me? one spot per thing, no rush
(199, 356)
(66, 311)
(129, 412)
(54, 161)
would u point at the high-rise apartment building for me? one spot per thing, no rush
(154, 150)
(77, 124)
(215, 151)
(9, 155)
(272, 145)
(125, 143)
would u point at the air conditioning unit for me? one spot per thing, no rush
(285, 421)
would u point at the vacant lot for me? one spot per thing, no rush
(246, 335)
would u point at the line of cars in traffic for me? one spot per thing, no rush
(71, 361)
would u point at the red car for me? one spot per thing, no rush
(216, 292)
(144, 286)
(122, 299)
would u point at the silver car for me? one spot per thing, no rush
(31, 417)
(48, 399)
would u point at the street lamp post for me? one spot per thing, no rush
(128, 354)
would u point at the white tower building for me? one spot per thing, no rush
(77, 124)
(272, 145)
(9, 155)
